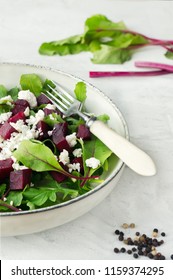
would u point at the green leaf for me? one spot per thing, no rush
(111, 55)
(169, 54)
(70, 45)
(39, 196)
(96, 148)
(14, 93)
(104, 118)
(80, 91)
(126, 40)
(36, 156)
(31, 82)
(4, 108)
(3, 91)
(53, 119)
(16, 197)
(2, 189)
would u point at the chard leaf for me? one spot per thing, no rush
(169, 54)
(70, 45)
(126, 40)
(80, 91)
(111, 55)
(36, 156)
(31, 82)
(3, 91)
(2, 189)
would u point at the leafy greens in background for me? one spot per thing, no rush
(110, 42)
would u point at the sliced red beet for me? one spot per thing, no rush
(80, 161)
(44, 128)
(18, 116)
(5, 168)
(20, 105)
(43, 99)
(6, 130)
(20, 178)
(83, 132)
(57, 176)
(58, 136)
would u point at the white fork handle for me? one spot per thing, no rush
(131, 155)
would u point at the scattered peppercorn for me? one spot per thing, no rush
(132, 225)
(172, 257)
(137, 233)
(155, 230)
(122, 250)
(117, 232)
(125, 225)
(116, 250)
(135, 255)
(121, 237)
(163, 234)
(129, 252)
(134, 249)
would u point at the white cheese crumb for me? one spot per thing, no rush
(50, 106)
(64, 157)
(71, 139)
(4, 199)
(77, 152)
(33, 120)
(26, 112)
(50, 132)
(11, 203)
(92, 162)
(4, 117)
(7, 98)
(16, 166)
(74, 166)
(28, 96)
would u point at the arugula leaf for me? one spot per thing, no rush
(2, 189)
(36, 156)
(52, 119)
(80, 91)
(16, 197)
(3, 91)
(111, 55)
(104, 118)
(31, 82)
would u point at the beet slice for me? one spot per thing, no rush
(83, 132)
(20, 105)
(42, 99)
(5, 168)
(6, 130)
(44, 128)
(20, 178)
(48, 111)
(58, 136)
(57, 176)
(18, 116)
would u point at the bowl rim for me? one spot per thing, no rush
(100, 186)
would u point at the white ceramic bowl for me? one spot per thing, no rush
(26, 222)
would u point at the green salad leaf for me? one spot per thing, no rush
(36, 156)
(3, 91)
(31, 82)
(80, 91)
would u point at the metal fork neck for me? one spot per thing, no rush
(88, 119)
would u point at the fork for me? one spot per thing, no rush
(131, 155)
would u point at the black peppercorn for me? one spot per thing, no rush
(163, 234)
(129, 252)
(117, 232)
(116, 250)
(155, 230)
(135, 255)
(121, 237)
(122, 250)
(172, 257)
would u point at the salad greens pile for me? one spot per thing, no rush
(109, 42)
(42, 156)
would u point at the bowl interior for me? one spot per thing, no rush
(96, 101)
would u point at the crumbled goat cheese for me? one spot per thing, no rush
(17, 166)
(71, 139)
(77, 152)
(50, 106)
(50, 132)
(74, 166)
(11, 203)
(26, 112)
(33, 120)
(8, 99)
(64, 157)
(4, 117)
(92, 162)
(28, 96)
